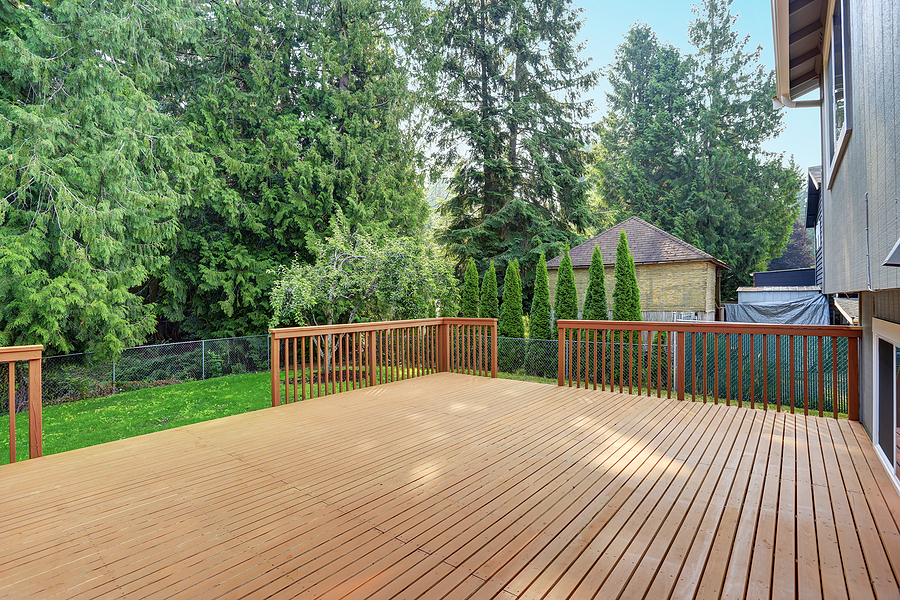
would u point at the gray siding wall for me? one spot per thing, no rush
(882, 305)
(872, 160)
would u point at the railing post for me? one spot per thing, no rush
(561, 357)
(275, 370)
(852, 379)
(494, 349)
(443, 347)
(35, 425)
(680, 363)
(373, 356)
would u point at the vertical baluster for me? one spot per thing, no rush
(604, 334)
(482, 338)
(630, 359)
(296, 375)
(752, 372)
(780, 395)
(834, 377)
(287, 371)
(740, 391)
(670, 361)
(805, 375)
(716, 367)
(11, 369)
(316, 347)
(621, 349)
(793, 374)
(597, 333)
(693, 365)
(303, 366)
(659, 343)
(567, 336)
(765, 381)
(649, 363)
(705, 362)
(821, 393)
(577, 335)
(727, 369)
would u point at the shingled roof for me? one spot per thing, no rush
(648, 245)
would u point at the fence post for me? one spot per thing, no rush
(275, 370)
(560, 359)
(114, 376)
(35, 425)
(203, 357)
(443, 347)
(852, 379)
(680, 363)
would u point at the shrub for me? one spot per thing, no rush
(489, 308)
(469, 301)
(566, 306)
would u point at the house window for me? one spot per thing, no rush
(838, 100)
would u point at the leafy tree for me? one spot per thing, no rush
(489, 307)
(682, 143)
(512, 133)
(511, 323)
(299, 110)
(93, 174)
(362, 276)
(469, 300)
(595, 298)
(566, 306)
(626, 296)
(539, 317)
(798, 253)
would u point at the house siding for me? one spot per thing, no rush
(872, 160)
(880, 305)
(664, 288)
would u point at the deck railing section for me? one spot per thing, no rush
(813, 369)
(317, 361)
(31, 354)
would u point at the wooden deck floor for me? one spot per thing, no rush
(452, 486)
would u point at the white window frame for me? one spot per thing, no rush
(889, 332)
(837, 147)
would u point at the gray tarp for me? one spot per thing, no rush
(811, 310)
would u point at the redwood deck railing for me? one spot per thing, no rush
(323, 360)
(11, 356)
(795, 367)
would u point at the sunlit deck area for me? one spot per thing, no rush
(456, 486)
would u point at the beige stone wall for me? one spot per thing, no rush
(677, 287)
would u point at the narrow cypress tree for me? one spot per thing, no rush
(539, 318)
(595, 307)
(626, 297)
(566, 306)
(511, 324)
(489, 307)
(469, 301)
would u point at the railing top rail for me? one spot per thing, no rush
(15, 353)
(716, 327)
(468, 321)
(292, 332)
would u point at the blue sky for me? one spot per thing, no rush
(606, 22)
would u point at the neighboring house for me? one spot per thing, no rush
(675, 279)
(786, 277)
(846, 51)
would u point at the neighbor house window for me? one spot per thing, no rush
(838, 100)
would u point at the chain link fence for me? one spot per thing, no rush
(71, 377)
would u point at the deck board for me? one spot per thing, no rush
(455, 486)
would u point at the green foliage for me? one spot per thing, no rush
(798, 253)
(595, 307)
(469, 295)
(539, 318)
(626, 297)
(362, 276)
(489, 307)
(511, 324)
(93, 175)
(298, 109)
(681, 145)
(566, 306)
(510, 129)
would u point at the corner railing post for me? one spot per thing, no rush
(443, 347)
(852, 379)
(35, 425)
(561, 358)
(494, 349)
(275, 368)
(680, 363)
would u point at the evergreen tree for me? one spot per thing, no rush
(93, 174)
(489, 307)
(539, 317)
(682, 144)
(512, 128)
(626, 297)
(298, 110)
(595, 298)
(566, 305)
(468, 307)
(798, 253)
(511, 323)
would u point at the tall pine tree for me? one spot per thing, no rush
(511, 322)
(489, 307)
(626, 296)
(511, 117)
(468, 306)
(566, 305)
(539, 317)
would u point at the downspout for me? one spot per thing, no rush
(868, 261)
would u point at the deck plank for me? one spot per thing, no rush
(455, 486)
